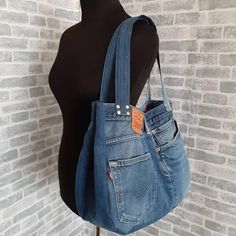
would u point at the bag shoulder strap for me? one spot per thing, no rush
(122, 72)
(109, 63)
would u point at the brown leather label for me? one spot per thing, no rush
(137, 120)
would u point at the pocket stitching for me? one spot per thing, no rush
(165, 125)
(169, 177)
(121, 213)
(124, 138)
(129, 161)
(172, 142)
(162, 128)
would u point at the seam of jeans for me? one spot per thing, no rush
(172, 142)
(159, 117)
(168, 174)
(130, 161)
(164, 126)
(124, 138)
(116, 197)
(159, 134)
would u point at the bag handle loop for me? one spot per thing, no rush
(119, 52)
(122, 76)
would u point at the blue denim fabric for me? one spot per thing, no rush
(125, 180)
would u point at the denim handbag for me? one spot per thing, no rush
(132, 168)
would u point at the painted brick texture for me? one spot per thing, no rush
(30, 120)
(198, 58)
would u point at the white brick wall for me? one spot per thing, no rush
(198, 57)
(30, 119)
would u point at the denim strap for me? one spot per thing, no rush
(122, 72)
(108, 64)
(121, 52)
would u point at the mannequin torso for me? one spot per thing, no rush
(75, 77)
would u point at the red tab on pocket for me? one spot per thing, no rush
(109, 174)
(137, 120)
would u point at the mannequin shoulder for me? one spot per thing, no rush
(143, 31)
(145, 42)
(67, 36)
(69, 31)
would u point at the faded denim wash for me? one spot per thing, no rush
(125, 180)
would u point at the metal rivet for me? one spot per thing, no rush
(117, 106)
(158, 149)
(128, 113)
(127, 106)
(118, 112)
(154, 131)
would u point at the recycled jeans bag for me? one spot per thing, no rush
(132, 168)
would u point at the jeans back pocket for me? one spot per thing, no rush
(135, 186)
(165, 133)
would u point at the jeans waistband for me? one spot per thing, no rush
(156, 114)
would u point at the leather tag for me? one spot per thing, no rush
(137, 120)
